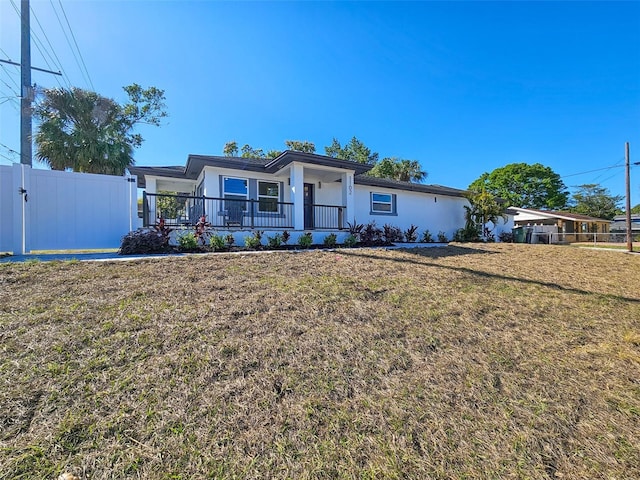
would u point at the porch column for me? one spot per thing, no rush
(151, 188)
(297, 195)
(20, 187)
(348, 197)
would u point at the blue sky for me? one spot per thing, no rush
(463, 87)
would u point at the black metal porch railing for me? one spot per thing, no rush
(265, 213)
(330, 217)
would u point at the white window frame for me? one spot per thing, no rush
(378, 202)
(269, 197)
(225, 193)
(235, 195)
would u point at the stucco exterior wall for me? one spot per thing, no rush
(431, 212)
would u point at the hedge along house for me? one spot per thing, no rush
(295, 191)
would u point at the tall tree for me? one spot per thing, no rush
(399, 169)
(300, 146)
(595, 201)
(249, 152)
(526, 186)
(355, 151)
(86, 132)
(230, 149)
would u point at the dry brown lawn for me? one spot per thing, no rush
(474, 361)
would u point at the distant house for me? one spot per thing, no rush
(559, 226)
(619, 224)
(295, 191)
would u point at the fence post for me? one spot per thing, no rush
(145, 210)
(251, 211)
(20, 189)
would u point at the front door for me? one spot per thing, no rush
(308, 205)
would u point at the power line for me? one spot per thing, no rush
(53, 51)
(10, 150)
(11, 88)
(591, 171)
(53, 54)
(39, 45)
(7, 70)
(4, 156)
(87, 77)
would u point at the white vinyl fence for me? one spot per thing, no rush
(54, 210)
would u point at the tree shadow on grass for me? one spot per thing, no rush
(423, 255)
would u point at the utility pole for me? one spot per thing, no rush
(628, 195)
(27, 90)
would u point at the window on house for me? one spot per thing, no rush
(236, 190)
(268, 195)
(381, 203)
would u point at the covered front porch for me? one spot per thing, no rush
(185, 210)
(296, 196)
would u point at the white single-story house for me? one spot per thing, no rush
(295, 191)
(551, 226)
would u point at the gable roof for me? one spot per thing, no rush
(574, 217)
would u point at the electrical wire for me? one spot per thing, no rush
(40, 45)
(57, 61)
(10, 150)
(591, 171)
(87, 77)
(9, 159)
(10, 88)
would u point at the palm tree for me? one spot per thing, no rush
(410, 171)
(86, 132)
(399, 169)
(82, 131)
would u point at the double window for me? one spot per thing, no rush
(383, 203)
(236, 191)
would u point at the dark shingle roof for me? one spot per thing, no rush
(412, 187)
(195, 164)
(140, 172)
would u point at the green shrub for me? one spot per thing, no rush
(442, 237)
(350, 241)
(275, 241)
(467, 234)
(187, 241)
(217, 242)
(426, 237)
(330, 240)
(254, 241)
(305, 240)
